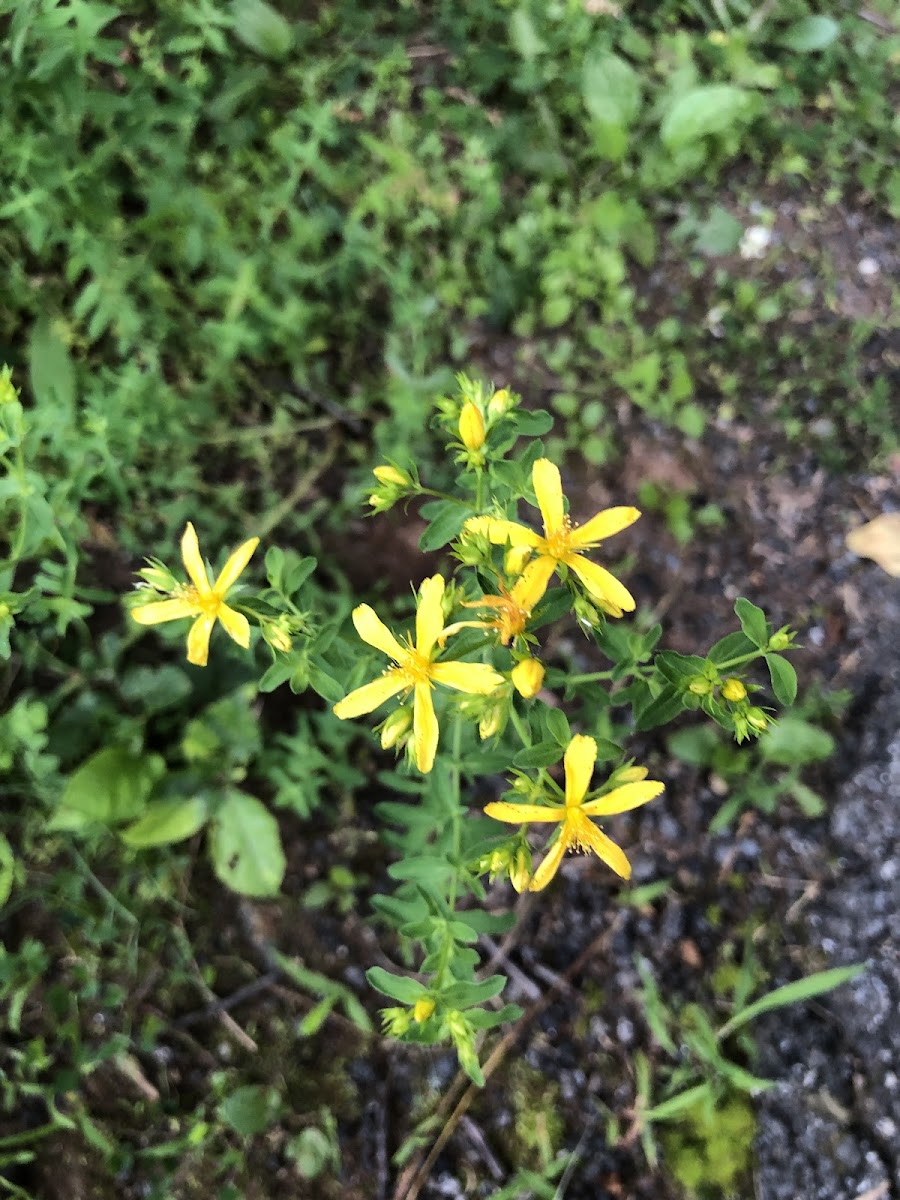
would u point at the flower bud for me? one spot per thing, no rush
(500, 404)
(733, 690)
(278, 638)
(492, 722)
(780, 640)
(8, 393)
(520, 869)
(699, 685)
(471, 427)
(396, 1021)
(395, 727)
(423, 1009)
(393, 476)
(630, 775)
(757, 719)
(528, 678)
(515, 560)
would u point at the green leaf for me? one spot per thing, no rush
(445, 520)
(533, 423)
(422, 868)
(678, 668)
(523, 36)
(250, 1109)
(558, 726)
(784, 679)
(467, 995)
(792, 993)
(398, 987)
(809, 34)
(667, 705)
(246, 846)
(113, 785)
(695, 746)
(165, 822)
(544, 754)
(261, 28)
(733, 645)
(793, 742)
(324, 684)
(50, 366)
(711, 108)
(753, 622)
(7, 869)
(810, 802)
(611, 89)
(154, 689)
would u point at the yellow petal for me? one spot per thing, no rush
(373, 630)
(604, 525)
(367, 698)
(549, 866)
(193, 562)
(235, 566)
(606, 849)
(581, 755)
(236, 625)
(425, 728)
(623, 799)
(429, 614)
(500, 532)
(198, 640)
(548, 489)
(521, 814)
(878, 539)
(477, 678)
(601, 585)
(164, 610)
(530, 588)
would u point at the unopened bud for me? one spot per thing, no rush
(471, 427)
(757, 719)
(491, 723)
(520, 869)
(422, 1009)
(528, 678)
(733, 690)
(631, 775)
(395, 727)
(500, 404)
(700, 685)
(388, 474)
(780, 640)
(396, 1021)
(278, 638)
(8, 393)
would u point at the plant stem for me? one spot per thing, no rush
(519, 726)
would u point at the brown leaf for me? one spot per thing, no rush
(880, 541)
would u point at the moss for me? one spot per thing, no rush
(711, 1148)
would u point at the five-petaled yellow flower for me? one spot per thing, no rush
(510, 620)
(202, 600)
(415, 670)
(562, 544)
(577, 831)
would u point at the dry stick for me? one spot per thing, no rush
(415, 1176)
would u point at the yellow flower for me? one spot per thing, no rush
(509, 622)
(528, 678)
(577, 831)
(423, 1009)
(201, 600)
(415, 670)
(562, 543)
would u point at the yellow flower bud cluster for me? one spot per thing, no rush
(393, 484)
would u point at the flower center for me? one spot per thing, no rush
(417, 666)
(556, 544)
(207, 603)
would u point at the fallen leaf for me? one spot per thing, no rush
(880, 541)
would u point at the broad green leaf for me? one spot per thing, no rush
(793, 742)
(784, 679)
(156, 688)
(753, 622)
(467, 995)
(544, 754)
(445, 521)
(558, 726)
(523, 36)
(246, 846)
(711, 108)
(165, 822)
(733, 645)
(667, 705)
(261, 28)
(113, 785)
(792, 993)
(810, 33)
(423, 868)
(398, 987)
(611, 89)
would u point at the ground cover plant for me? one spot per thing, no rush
(245, 250)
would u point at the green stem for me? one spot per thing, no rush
(736, 662)
(594, 675)
(520, 728)
(456, 838)
(479, 489)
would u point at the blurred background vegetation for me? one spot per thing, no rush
(243, 246)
